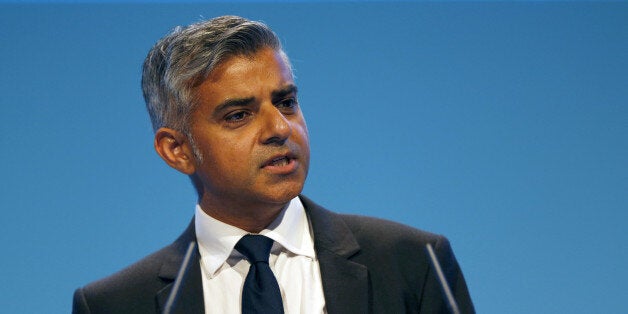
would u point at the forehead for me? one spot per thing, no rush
(253, 76)
(264, 64)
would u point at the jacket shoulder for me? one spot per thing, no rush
(395, 255)
(139, 273)
(133, 287)
(386, 231)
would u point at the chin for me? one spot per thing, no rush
(284, 198)
(285, 195)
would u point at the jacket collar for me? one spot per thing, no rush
(345, 282)
(190, 295)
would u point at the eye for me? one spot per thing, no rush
(237, 116)
(288, 105)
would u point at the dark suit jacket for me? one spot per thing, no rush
(367, 265)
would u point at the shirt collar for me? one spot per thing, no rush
(217, 239)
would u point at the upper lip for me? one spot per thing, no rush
(288, 155)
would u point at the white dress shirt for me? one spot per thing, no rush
(292, 260)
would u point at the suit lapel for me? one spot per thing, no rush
(190, 297)
(345, 282)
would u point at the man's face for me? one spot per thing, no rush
(250, 132)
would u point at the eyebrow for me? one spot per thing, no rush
(283, 92)
(235, 102)
(241, 102)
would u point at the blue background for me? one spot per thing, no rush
(501, 125)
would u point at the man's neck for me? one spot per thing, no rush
(252, 218)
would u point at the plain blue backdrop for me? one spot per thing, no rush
(503, 125)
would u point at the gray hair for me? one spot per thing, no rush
(183, 59)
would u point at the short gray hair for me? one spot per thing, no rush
(183, 59)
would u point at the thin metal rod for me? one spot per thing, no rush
(172, 297)
(451, 302)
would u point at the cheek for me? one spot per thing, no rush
(236, 155)
(301, 128)
(302, 138)
(233, 154)
(217, 151)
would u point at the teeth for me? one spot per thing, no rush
(280, 161)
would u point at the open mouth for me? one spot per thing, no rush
(282, 164)
(279, 161)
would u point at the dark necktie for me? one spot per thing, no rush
(261, 291)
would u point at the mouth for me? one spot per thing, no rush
(279, 161)
(281, 164)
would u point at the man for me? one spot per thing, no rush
(223, 103)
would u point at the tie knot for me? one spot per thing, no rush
(255, 247)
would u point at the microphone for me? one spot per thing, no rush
(183, 270)
(449, 297)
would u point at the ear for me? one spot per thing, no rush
(174, 148)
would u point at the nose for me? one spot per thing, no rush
(276, 128)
